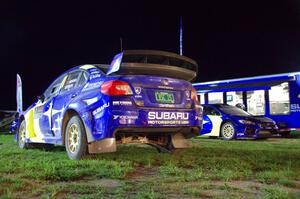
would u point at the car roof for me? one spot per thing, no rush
(102, 67)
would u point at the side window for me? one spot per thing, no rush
(83, 79)
(210, 111)
(279, 97)
(71, 81)
(215, 98)
(235, 97)
(256, 102)
(201, 98)
(53, 89)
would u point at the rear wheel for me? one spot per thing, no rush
(22, 135)
(75, 139)
(227, 131)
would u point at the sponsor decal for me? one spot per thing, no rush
(94, 71)
(166, 105)
(122, 103)
(127, 117)
(168, 118)
(90, 101)
(91, 86)
(101, 108)
(168, 115)
(95, 76)
(138, 96)
(166, 87)
(169, 122)
(295, 107)
(137, 90)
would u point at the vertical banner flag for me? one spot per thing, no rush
(180, 37)
(19, 94)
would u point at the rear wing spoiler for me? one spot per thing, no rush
(152, 62)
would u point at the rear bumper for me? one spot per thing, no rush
(146, 121)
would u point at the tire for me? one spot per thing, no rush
(227, 131)
(22, 136)
(75, 139)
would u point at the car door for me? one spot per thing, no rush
(43, 109)
(212, 121)
(70, 90)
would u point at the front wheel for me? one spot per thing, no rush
(75, 139)
(228, 131)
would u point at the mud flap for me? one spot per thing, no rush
(103, 146)
(179, 141)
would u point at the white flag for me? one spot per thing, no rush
(19, 94)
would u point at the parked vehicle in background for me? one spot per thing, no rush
(230, 122)
(142, 97)
(274, 96)
(8, 121)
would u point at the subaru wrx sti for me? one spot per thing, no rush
(142, 97)
(230, 122)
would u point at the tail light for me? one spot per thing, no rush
(116, 87)
(194, 94)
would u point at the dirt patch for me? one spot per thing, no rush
(106, 183)
(141, 172)
(102, 182)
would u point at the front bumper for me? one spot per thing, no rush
(256, 132)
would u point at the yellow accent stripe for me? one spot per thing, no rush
(30, 124)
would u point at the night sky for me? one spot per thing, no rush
(228, 39)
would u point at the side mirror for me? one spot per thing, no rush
(41, 98)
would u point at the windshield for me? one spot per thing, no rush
(232, 110)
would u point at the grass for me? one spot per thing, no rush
(211, 169)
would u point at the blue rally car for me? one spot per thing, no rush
(229, 122)
(142, 97)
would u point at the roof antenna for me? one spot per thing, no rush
(121, 44)
(180, 38)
